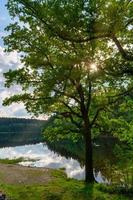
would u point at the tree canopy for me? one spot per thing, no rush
(77, 64)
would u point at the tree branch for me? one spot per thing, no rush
(67, 37)
(119, 96)
(71, 110)
(127, 92)
(67, 95)
(96, 116)
(124, 54)
(89, 97)
(129, 22)
(69, 115)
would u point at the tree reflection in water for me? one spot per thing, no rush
(113, 161)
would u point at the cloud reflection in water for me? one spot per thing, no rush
(43, 157)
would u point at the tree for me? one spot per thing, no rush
(81, 21)
(81, 97)
(62, 74)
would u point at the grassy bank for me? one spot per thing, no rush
(57, 187)
(15, 161)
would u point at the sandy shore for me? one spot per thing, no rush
(16, 174)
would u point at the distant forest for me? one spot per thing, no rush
(19, 131)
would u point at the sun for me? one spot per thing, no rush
(93, 67)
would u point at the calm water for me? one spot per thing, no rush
(108, 167)
(43, 157)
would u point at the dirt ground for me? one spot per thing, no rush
(16, 174)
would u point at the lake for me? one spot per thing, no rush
(107, 167)
(43, 157)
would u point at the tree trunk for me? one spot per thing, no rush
(89, 177)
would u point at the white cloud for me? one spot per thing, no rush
(10, 61)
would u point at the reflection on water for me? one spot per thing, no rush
(108, 166)
(43, 157)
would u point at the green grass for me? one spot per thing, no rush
(61, 188)
(14, 161)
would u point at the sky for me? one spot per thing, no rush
(8, 61)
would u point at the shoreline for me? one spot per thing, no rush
(16, 174)
(21, 182)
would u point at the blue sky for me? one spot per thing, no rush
(4, 19)
(8, 61)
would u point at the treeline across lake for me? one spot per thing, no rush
(19, 131)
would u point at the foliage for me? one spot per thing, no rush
(74, 21)
(57, 76)
(124, 168)
(116, 190)
(70, 66)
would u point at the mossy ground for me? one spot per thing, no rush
(59, 187)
